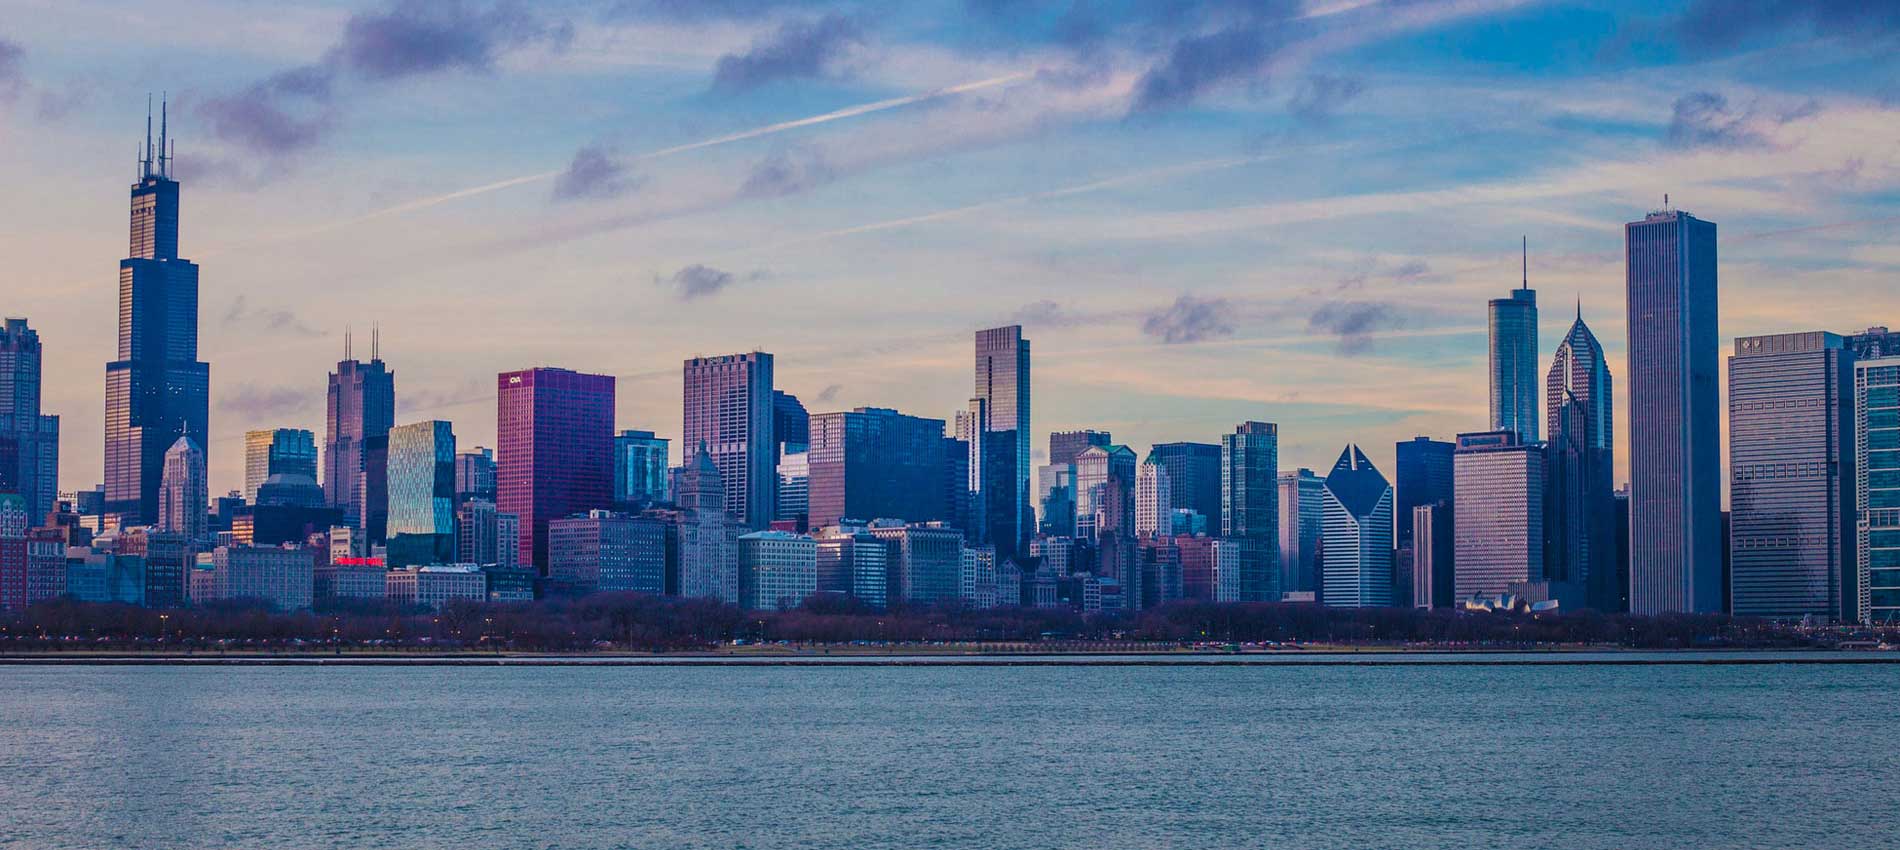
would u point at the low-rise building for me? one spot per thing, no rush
(777, 569)
(436, 585)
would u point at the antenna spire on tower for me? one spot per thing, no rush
(376, 342)
(1527, 261)
(164, 158)
(145, 164)
(346, 342)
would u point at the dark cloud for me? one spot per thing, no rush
(1320, 97)
(424, 36)
(1189, 319)
(798, 50)
(257, 404)
(594, 174)
(1046, 313)
(1353, 322)
(268, 321)
(281, 114)
(1719, 24)
(12, 69)
(829, 393)
(700, 281)
(294, 110)
(787, 172)
(1201, 63)
(1411, 271)
(1704, 119)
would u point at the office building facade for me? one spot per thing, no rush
(875, 462)
(1250, 506)
(554, 458)
(729, 410)
(29, 439)
(1499, 513)
(277, 450)
(420, 482)
(1356, 534)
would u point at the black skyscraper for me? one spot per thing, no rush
(361, 410)
(156, 390)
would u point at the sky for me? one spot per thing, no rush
(1201, 211)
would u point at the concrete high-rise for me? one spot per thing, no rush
(706, 539)
(29, 440)
(729, 409)
(421, 493)
(1250, 506)
(1499, 523)
(1002, 382)
(1579, 515)
(873, 463)
(1193, 477)
(1154, 512)
(184, 496)
(1675, 429)
(1302, 508)
(1357, 538)
(1513, 324)
(360, 410)
(555, 440)
(1876, 477)
(157, 390)
(273, 451)
(1791, 470)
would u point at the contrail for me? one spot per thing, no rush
(743, 135)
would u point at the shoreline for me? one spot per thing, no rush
(1327, 658)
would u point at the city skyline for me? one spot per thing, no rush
(1101, 276)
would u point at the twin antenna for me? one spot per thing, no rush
(375, 342)
(157, 163)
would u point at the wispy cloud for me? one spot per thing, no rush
(1715, 24)
(1320, 96)
(271, 321)
(594, 175)
(786, 172)
(1189, 319)
(803, 49)
(256, 405)
(1353, 323)
(701, 281)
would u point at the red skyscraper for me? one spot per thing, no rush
(555, 440)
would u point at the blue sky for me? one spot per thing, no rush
(1202, 211)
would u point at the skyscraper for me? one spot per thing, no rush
(1193, 477)
(1250, 506)
(706, 542)
(1357, 568)
(1499, 524)
(1791, 471)
(791, 424)
(184, 496)
(641, 461)
(995, 516)
(1002, 382)
(1579, 522)
(360, 409)
(291, 451)
(555, 442)
(157, 390)
(1877, 490)
(1421, 476)
(1154, 512)
(1097, 470)
(1302, 507)
(875, 463)
(1514, 360)
(729, 408)
(29, 440)
(475, 474)
(1675, 430)
(1064, 446)
(421, 493)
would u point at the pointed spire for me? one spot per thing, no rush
(1579, 306)
(375, 342)
(145, 161)
(1527, 262)
(346, 342)
(164, 158)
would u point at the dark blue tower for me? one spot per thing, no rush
(157, 389)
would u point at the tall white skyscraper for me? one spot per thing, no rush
(1154, 512)
(183, 494)
(1357, 535)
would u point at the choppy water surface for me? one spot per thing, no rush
(966, 757)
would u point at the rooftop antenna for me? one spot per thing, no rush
(1579, 306)
(1665, 201)
(1526, 245)
(145, 164)
(164, 160)
(376, 342)
(346, 342)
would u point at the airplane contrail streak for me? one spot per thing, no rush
(743, 135)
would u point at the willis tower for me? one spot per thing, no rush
(157, 389)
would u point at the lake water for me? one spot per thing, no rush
(966, 757)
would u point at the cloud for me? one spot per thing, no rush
(1201, 63)
(829, 393)
(242, 315)
(1353, 322)
(1320, 97)
(1189, 319)
(255, 403)
(12, 69)
(787, 172)
(1046, 313)
(798, 50)
(700, 281)
(425, 36)
(1716, 24)
(595, 174)
(470, 390)
(294, 110)
(1411, 271)
(281, 114)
